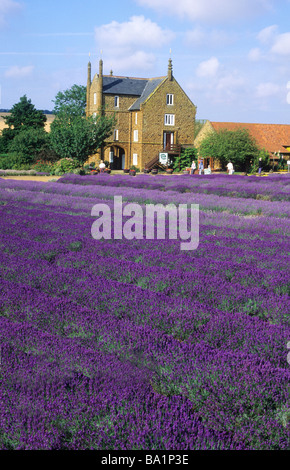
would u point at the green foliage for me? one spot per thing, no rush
(42, 165)
(71, 102)
(8, 162)
(27, 145)
(47, 154)
(80, 137)
(185, 160)
(65, 165)
(265, 161)
(235, 146)
(133, 167)
(23, 116)
(282, 162)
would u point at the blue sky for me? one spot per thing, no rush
(231, 57)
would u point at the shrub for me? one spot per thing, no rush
(43, 166)
(133, 167)
(27, 145)
(8, 161)
(65, 165)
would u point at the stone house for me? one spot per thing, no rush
(274, 138)
(153, 115)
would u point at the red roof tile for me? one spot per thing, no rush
(272, 137)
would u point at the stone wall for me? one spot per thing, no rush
(154, 110)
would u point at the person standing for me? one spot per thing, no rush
(260, 166)
(193, 167)
(230, 168)
(200, 168)
(288, 165)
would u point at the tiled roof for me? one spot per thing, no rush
(272, 137)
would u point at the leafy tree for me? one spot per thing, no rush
(265, 161)
(187, 155)
(79, 137)
(71, 102)
(28, 144)
(23, 116)
(235, 146)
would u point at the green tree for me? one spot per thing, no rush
(265, 156)
(71, 102)
(235, 146)
(79, 137)
(23, 116)
(27, 146)
(187, 155)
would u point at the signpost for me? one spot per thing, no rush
(163, 158)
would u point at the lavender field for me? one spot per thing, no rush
(135, 344)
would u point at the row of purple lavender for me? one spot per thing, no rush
(119, 344)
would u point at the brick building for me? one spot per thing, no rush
(153, 115)
(275, 138)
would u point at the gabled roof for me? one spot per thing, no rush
(139, 87)
(272, 137)
(123, 85)
(150, 87)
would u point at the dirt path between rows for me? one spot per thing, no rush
(31, 178)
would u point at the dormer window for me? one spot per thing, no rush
(116, 102)
(169, 99)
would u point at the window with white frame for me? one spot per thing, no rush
(116, 134)
(136, 118)
(136, 136)
(116, 102)
(95, 98)
(169, 119)
(135, 159)
(169, 99)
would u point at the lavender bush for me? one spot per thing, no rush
(118, 344)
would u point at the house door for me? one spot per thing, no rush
(168, 140)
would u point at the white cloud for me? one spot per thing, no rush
(136, 32)
(7, 7)
(19, 72)
(281, 45)
(138, 60)
(208, 68)
(267, 35)
(214, 10)
(264, 90)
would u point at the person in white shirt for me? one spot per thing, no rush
(193, 167)
(102, 166)
(230, 168)
(288, 165)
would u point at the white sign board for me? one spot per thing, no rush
(163, 158)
